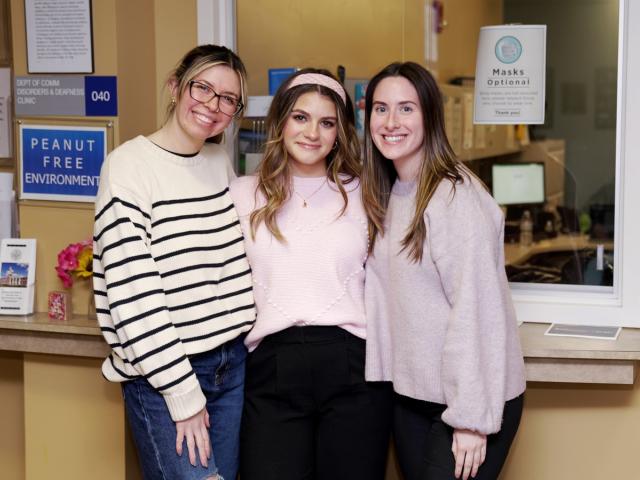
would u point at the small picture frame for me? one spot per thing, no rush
(60, 305)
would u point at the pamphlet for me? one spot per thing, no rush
(17, 276)
(584, 331)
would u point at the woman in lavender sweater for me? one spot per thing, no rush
(308, 412)
(440, 322)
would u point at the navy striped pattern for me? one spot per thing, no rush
(171, 279)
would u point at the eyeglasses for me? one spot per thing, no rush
(203, 93)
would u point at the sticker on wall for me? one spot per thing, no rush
(510, 75)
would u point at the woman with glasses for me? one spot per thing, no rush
(440, 321)
(308, 412)
(172, 283)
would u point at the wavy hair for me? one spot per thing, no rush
(274, 171)
(439, 161)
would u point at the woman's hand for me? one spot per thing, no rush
(469, 450)
(194, 430)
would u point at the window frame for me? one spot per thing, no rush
(620, 305)
(617, 306)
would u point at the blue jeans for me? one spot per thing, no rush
(221, 376)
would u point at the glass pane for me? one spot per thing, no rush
(567, 236)
(566, 167)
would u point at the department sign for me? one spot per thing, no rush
(510, 75)
(61, 162)
(66, 95)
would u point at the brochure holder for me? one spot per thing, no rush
(17, 276)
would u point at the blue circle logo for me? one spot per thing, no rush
(508, 49)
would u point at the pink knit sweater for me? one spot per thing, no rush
(445, 330)
(317, 276)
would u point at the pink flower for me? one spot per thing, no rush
(67, 258)
(65, 277)
(68, 261)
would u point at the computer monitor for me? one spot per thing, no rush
(518, 183)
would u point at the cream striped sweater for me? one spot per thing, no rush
(171, 277)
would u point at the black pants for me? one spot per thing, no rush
(423, 440)
(309, 414)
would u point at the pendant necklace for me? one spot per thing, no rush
(305, 199)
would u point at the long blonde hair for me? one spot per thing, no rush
(274, 172)
(439, 160)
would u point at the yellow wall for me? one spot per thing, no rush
(11, 416)
(459, 38)
(584, 432)
(136, 67)
(362, 35)
(176, 33)
(74, 422)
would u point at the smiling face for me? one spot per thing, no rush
(194, 121)
(396, 124)
(310, 133)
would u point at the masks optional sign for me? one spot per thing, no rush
(510, 75)
(61, 162)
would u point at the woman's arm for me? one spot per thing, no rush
(466, 247)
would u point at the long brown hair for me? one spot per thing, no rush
(439, 160)
(274, 172)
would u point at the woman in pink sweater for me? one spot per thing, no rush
(308, 413)
(440, 322)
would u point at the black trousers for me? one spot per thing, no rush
(423, 441)
(309, 414)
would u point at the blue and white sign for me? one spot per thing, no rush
(60, 162)
(100, 96)
(510, 75)
(77, 95)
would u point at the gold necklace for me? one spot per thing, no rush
(304, 199)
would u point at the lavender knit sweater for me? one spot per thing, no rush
(445, 330)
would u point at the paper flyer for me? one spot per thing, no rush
(6, 135)
(17, 276)
(510, 75)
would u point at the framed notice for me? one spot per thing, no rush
(59, 36)
(62, 162)
(510, 75)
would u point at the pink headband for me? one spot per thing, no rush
(319, 79)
